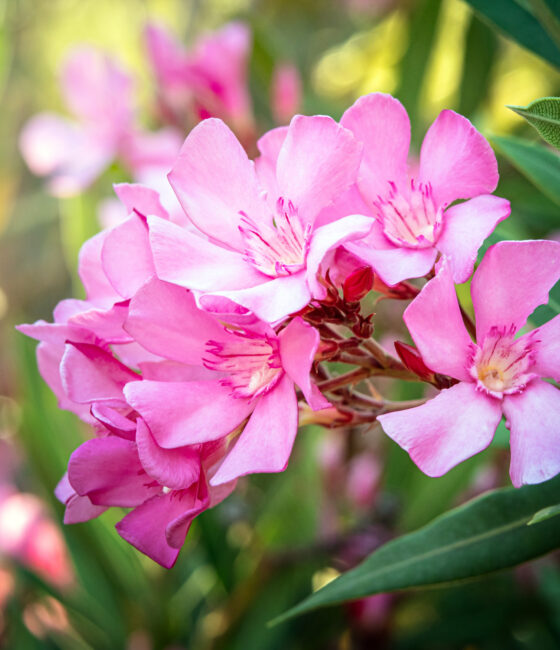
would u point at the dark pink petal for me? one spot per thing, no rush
(89, 374)
(108, 471)
(195, 500)
(533, 417)
(456, 160)
(266, 442)
(273, 300)
(139, 198)
(513, 279)
(465, 226)
(436, 326)
(455, 425)
(215, 181)
(114, 420)
(188, 413)
(126, 256)
(329, 237)
(318, 161)
(146, 526)
(393, 264)
(547, 362)
(78, 509)
(183, 258)
(165, 320)
(298, 345)
(381, 123)
(174, 468)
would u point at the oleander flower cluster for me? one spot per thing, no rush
(203, 343)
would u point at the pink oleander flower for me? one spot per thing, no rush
(263, 249)
(246, 377)
(413, 220)
(73, 153)
(209, 81)
(500, 373)
(285, 92)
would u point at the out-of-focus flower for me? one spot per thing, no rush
(499, 374)
(285, 92)
(73, 153)
(208, 81)
(412, 220)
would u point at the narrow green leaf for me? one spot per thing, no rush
(484, 535)
(518, 23)
(539, 164)
(544, 514)
(544, 115)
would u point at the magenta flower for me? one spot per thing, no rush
(263, 250)
(72, 154)
(499, 374)
(246, 376)
(413, 220)
(209, 81)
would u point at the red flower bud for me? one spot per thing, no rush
(357, 284)
(401, 291)
(412, 359)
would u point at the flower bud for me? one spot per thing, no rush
(357, 284)
(412, 359)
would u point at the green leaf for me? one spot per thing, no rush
(520, 24)
(544, 514)
(539, 164)
(544, 115)
(484, 535)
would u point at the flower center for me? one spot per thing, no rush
(411, 218)
(279, 249)
(251, 362)
(502, 365)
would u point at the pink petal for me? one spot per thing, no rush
(381, 123)
(393, 265)
(98, 288)
(533, 417)
(165, 320)
(103, 324)
(318, 161)
(215, 181)
(108, 471)
(183, 258)
(174, 468)
(139, 198)
(349, 202)
(286, 92)
(447, 430)
(147, 149)
(126, 256)
(269, 146)
(456, 160)
(188, 413)
(70, 155)
(89, 374)
(436, 326)
(78, 509)
(547, 362)
(298, 346)
(146, 526)
(465, 226)
(329, 237)
(114, 420)
(513, 279)
(91, 82)
(266, 442)
(273, 300)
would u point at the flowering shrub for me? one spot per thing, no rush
(201, 342)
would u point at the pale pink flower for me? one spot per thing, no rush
(208, 81)
(499, 374)
(72, 153)
(412, 218)
(264, 250)
(246, 377)
(285, 92)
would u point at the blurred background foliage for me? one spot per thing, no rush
(277, 537)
